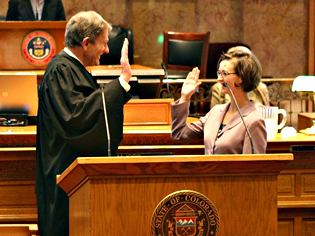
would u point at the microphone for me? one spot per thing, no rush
(166, 77)
(102, 85)
(239, 111)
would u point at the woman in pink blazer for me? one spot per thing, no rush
(222, 128)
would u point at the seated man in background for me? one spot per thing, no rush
(30, 10)
(259, 95)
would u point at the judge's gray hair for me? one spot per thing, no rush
(85, 24)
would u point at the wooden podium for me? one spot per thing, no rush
(13, 34)
(118, 195)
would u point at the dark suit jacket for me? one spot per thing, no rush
(21, 10)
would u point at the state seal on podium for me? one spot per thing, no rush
(185, 213)
(38, 48)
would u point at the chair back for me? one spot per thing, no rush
(214, 53)
(184, 51)
(116, 39)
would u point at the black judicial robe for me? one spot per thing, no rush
(71, 124)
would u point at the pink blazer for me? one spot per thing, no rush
(233, 138)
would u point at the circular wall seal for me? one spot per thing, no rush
(38, 48)
(185, 213)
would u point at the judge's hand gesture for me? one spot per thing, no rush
(124, 62)
(190, 85)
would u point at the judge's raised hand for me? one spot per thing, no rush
(124, 62)
(190, 85)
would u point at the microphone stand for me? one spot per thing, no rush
(106, 120)
(166, 77)
(239, 111)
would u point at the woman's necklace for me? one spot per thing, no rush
(220, 130)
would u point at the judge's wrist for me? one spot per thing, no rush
(124, 84)
(125, 73)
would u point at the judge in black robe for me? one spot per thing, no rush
(71, 124)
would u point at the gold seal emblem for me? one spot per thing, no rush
(185, 213)
(38, 48)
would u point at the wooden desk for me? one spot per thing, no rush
(40, 72)
(17, 185)
(305, 120)
(296, 190)
(89, 68)
(154, 135)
